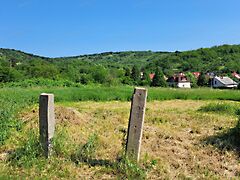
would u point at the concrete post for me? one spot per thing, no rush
(135, 126)
(46, 122)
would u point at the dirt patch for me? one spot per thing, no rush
(69, 115)
(62, 115)
(177, 142)
(3, 156)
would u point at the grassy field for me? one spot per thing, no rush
(12, 100)
(185, 136)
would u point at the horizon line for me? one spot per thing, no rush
(104, 52)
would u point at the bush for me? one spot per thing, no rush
(41, 82)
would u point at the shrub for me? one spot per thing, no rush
(41, 82)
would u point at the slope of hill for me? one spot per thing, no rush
(16, 65)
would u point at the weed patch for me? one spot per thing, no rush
(28, 153)
(222, 108)
(60, 148)
(129, 169)
(227, 140)
(86, 153)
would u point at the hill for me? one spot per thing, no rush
(115, 67)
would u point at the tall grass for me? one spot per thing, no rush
(41, 82)
(11, 102)
(193, 94)
(28, 153)
(222, 108)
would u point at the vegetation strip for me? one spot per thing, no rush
(13, 100)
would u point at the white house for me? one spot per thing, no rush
(179, 80)
(223, 82)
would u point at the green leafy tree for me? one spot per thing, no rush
(100, 74)
(146, 81)
(158, 79)
(86, 78)
(135, 75)
(127, 80)
(4, 74)
(192, 79)
(127, 72)
(202, 80)
(9, 74)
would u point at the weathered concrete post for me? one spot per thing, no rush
(135, 126)
(46, 122)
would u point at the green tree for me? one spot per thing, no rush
(36, 69)
(146, 81)
(127, 80)
(127, 72)
(192, 79)
(202, 80)
(85, 78)
(135, 75)
(100, 74)
(9, 74)
(158, 79)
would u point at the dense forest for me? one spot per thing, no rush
(115, 68)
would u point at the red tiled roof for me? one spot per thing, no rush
(236, 75)
(151, 76)
(196, 74)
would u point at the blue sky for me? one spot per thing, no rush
(73, 27)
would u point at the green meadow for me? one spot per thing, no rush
(13, 100)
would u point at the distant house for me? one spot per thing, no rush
(223, 82)
(196, 74)
(179, 80)
(210, 75)
(236, 75)
(151, 76)
(141, 75)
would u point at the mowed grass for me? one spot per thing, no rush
(13, 100)
(179, 141)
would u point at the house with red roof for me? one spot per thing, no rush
(151, 76)
(196, 74)
(179, 80)
(236, 75)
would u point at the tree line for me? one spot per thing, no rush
(113, 68)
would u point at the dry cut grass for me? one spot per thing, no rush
(183, 141)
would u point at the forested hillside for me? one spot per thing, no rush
(117, 67)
